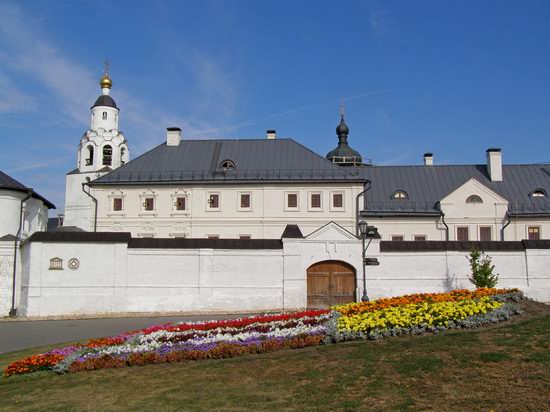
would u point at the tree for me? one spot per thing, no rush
(482, 275)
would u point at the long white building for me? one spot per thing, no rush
(253, 188)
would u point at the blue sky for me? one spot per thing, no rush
(453, 78)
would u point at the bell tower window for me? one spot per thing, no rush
(104, 115)
(122, 153)
(107, 155)
(90, 159)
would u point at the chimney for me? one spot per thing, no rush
(428, 159)
(173, 136)
(494, 164)
(271, 134)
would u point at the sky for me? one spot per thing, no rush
(449, 77)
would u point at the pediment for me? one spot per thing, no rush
(331, 232)
(473, 187)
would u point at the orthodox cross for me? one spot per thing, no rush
(106, 65)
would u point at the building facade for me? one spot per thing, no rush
(253, 188)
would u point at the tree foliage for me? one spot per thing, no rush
(482, 275)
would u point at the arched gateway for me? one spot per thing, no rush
(330, 283)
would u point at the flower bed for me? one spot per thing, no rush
(418, 313)
(175, 342)
(184, 341)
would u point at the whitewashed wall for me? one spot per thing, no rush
(112, 278)
(35, 213)
(411, 272)
(6, 277)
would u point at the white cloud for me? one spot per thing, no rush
(28, 51)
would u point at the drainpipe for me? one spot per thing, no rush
(446, 226)
(357, 213)
(13, 310)
(95, 206)
(509, 217)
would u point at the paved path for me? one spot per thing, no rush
(27, 334)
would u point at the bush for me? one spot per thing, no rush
(482, 270)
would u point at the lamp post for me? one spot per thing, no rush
(363, 229)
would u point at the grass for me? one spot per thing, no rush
(500, 368)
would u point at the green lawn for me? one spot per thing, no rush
(502, 368)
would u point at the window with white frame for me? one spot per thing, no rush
(397, 238)
(117, 204)
(292, 201)
(485, 233)
(315, 201)
(337, 201)
(213, 201)
(419, 238)
(533, 232)
(474, 199)
(148, 202)
(116, 200)
(245, 201)
(180, 203)
(462, 233)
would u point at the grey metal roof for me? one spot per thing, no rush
(256, 161)
(105, 100)
(426, 185)
(8, 182)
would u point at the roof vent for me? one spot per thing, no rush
(271, 134)
(494, 164)
(428, 159)
(173, 136)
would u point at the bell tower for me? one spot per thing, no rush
(102, 148)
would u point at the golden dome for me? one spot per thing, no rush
(106, 82)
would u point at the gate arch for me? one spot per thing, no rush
(330, 282)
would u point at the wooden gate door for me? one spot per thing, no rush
(330, 283)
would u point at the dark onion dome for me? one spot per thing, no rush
(344, 155)
(105, 100)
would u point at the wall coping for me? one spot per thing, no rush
(437, 245)
(153, 243)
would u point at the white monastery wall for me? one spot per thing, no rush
(438, 271)
(35, 214)
(265, 219)
(6, 276)
(113, 278)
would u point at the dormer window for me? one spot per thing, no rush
(227, 164)
(474, 199)
(538, 193)
(400, 195)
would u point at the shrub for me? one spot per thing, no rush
(482, 270)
